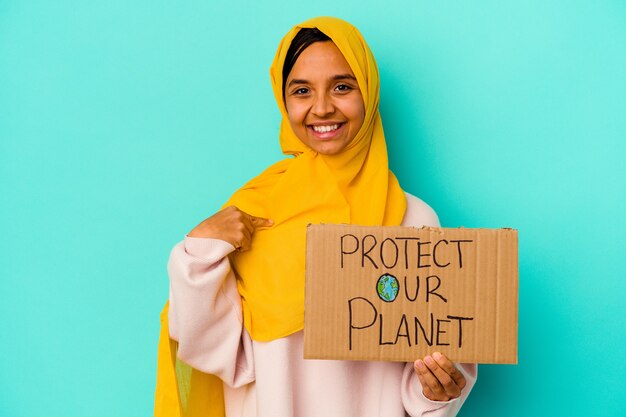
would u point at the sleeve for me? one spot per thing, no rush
(418, 214)
(205, 311)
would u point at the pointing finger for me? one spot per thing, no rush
(260, 222)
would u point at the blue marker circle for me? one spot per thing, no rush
(387, 288)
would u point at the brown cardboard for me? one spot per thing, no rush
(466, 305)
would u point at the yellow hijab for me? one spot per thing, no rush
(354, 186)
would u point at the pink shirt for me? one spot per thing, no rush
(271, 378)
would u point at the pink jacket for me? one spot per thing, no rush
(271, 378)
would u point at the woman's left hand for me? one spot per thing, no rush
(441, 380)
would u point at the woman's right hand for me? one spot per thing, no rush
(231, 225)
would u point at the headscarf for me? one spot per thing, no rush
(354, 186)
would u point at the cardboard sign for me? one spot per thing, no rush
(398, 293)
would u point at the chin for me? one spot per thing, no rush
(334, 150)
(327, 148)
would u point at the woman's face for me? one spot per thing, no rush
(323, 100)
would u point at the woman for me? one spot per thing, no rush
(236, 305)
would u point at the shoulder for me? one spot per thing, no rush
(418, 213)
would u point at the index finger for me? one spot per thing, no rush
(260, 221)
(450, 369)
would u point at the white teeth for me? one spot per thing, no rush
(324, 129)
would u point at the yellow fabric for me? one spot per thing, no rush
(166, 400)
(354, 186)
(182, 391)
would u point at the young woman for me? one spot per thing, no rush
(232, 340)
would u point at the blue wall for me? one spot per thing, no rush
(123, 125)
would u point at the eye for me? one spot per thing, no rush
(343, 88)
(300, 91)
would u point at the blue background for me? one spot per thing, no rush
(123, 125)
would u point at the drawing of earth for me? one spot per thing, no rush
(387, 287)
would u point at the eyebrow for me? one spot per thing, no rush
(338, 77)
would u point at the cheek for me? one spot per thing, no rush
(294, 114)
(357, 112)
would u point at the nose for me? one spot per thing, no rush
(323, 105)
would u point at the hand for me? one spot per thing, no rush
(231, 225)
(441, 380)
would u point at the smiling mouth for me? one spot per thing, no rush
(326, 128)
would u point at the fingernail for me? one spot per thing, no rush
(420, 364)
(437, 355)
(429, 360)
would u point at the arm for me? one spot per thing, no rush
(205, 307)
(205, 311)
(418, 398)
